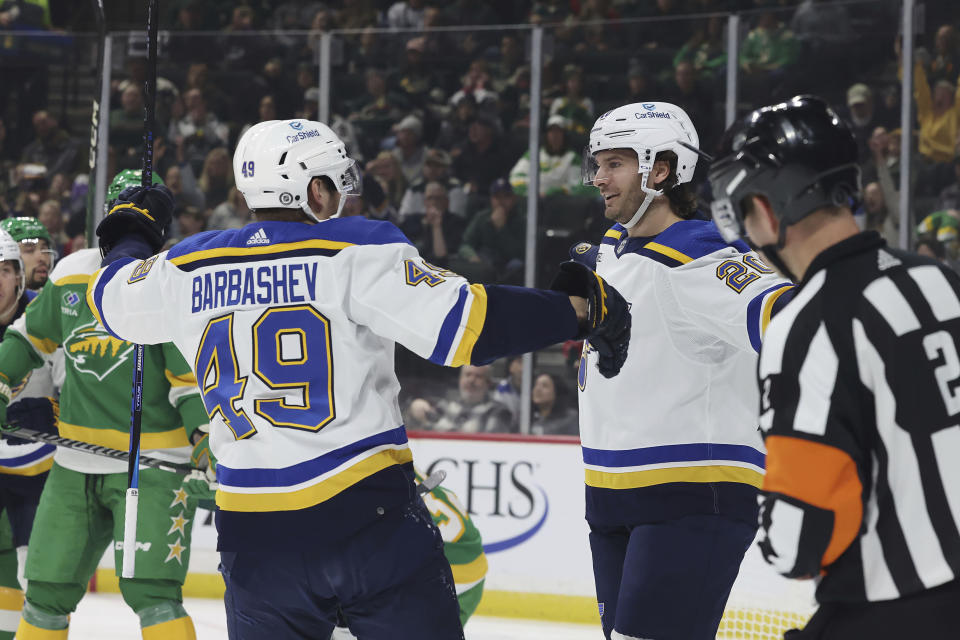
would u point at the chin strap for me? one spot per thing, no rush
(772, 253)
(647, 200)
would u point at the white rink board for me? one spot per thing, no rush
(527, 499)
(526, 496)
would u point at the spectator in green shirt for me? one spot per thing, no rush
(493, 244)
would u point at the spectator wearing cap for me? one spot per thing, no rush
(864, 116)
(494, 242)
(480, 160)
(409, 150)
(574, 106)
(415, 78)
(559, 165)
(437, 233)
(436, 168)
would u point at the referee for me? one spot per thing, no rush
(860, 386)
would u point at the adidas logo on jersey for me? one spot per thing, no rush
(886, 260)
(260, 237)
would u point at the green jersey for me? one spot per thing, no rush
(95, 398)
(461, 544)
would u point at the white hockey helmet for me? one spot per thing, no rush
(647, 128)
(10, 250)
(275, 161)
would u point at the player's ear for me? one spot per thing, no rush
(661, 171)
(759, 206)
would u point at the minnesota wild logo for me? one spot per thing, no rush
(92, 350)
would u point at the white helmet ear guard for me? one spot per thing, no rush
(647, 128)
(10, 250)
(275, 161)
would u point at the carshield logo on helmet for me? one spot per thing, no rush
(649, 106)
(296, 125)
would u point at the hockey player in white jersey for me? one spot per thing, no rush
(291, 324)
(672, 454)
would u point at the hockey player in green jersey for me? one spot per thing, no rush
(36, 249)
(23, 465)
(81, 509)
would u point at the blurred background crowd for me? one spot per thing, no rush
(433, 99)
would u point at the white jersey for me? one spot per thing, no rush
(290, 329)
(684, 407)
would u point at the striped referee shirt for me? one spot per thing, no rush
(860, 411)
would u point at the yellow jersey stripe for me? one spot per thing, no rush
(29, 632)
(121, 439)
(44, 345)
(473, 571)
(637, 479)
(77, 278)
(257, 250)
(41, 466)
(317, 493)
(475, 320)
(11, 599)
(91, 286)
(613, 233)
(768, 308)
(183, 380)
(668, 251)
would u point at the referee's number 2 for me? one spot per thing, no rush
(940, 346)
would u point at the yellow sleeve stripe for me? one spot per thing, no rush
(91, 286)
(43, 345)
(77, 278)
(183, 380)
(258, 250)
(117, 439)
(473, 571)
(475, 320)
(669, 252)
(768, 308)
(613, 233)
(130, 205)
(35, 469)
(11, 599)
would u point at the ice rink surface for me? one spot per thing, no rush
(104, 616)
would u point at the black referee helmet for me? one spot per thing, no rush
(798, 154)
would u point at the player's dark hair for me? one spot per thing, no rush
(683, 201)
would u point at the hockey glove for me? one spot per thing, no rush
(38, 414)
(608, 315)
(144, 211)
(202, 482)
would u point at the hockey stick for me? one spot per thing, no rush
(17, 431)
(432, 481)
(95, 120)
(136, 409)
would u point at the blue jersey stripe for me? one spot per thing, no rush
(694, 452)
(105, 277)
(755, 313)
(449, 328)
(28, 458)
(308, 469)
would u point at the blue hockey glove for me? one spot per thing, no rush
(608, 314)
(144, 211)
(38, 414)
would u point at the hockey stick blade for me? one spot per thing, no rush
(432, 481)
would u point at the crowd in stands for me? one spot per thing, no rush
(439, 117)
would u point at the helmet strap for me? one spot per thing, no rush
(647, 201)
